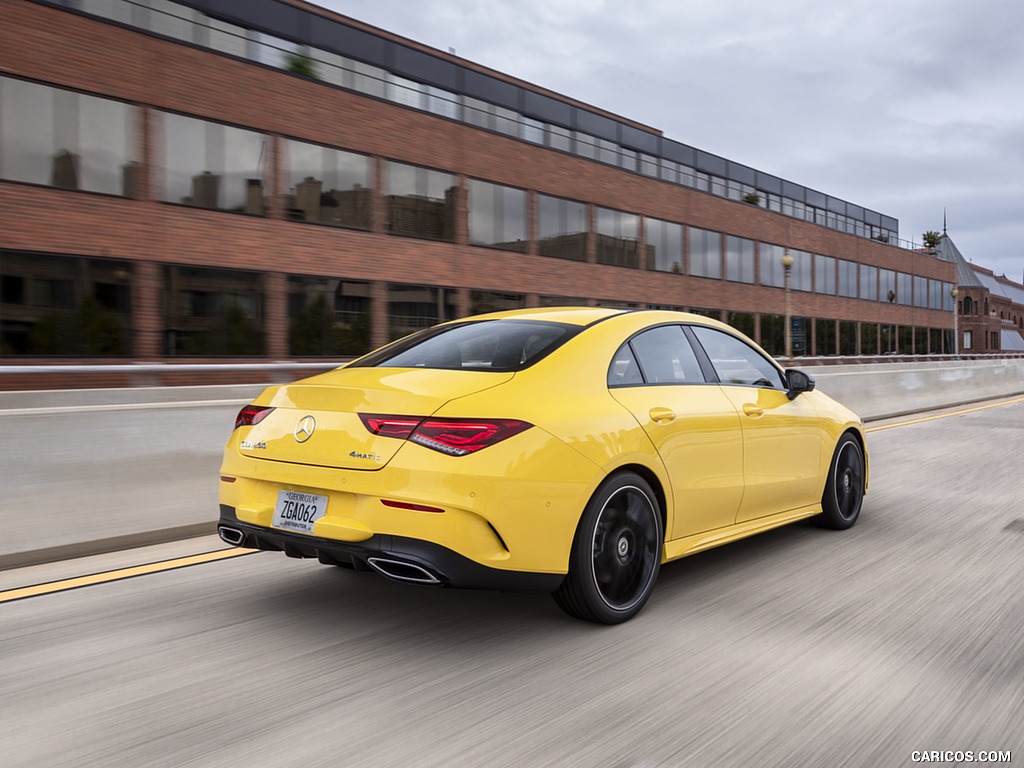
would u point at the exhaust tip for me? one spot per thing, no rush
(397, 570)
(230, 535)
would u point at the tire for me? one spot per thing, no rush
(844, 488)
(616, 553)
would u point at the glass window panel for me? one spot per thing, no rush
(226, 38)
(920, 291)
(408, 93)
(27, 131)
(736, 362)
(666, 357)
(482, 302)
(421, 202)
(705, 252)
(585, 145)
(742, 322)
(561, 228)
(173, 20)
(368, 79)
(212, 312)
(772, 272)
(497, 216)
(441, 102)
(64, 305)
(824, 274)
(617, 237)
(559, 138)
(824, 337)
(328, 317)
(869, 339)
(868, 282)
(847, 338)
(532, 130)
(847, 273)
(904, 290)
(886, 285)
(106, 146)
(413, 307)
(664, 245)
(210, 165)
(115, 10)
(326, 185)
(739, 259)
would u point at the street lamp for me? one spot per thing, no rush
(787, 268)
(953, 292)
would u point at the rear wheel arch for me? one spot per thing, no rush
(652, 480)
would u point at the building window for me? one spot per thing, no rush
(742, 322)
(561, 228)
(481, 302)
(705, 251)
(67, 140)
(886, 285)
(868, 282)
(414, 307)
(212, 312)
(421, 202)
(771, 271)
(664, 244)
(739, 259)
(847, 274)
(921, 341)
(847, 338)
(210, 165)
(64, 305)
(328, 317)
(869, 338)
(824, 274)
(497, 216)
(904, 289)
(617, 235)
(920, 291)
(327, 186)
(824, 337)
(968, 340)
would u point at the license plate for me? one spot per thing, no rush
(297, 511)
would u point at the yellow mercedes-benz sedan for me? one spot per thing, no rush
(571, 450)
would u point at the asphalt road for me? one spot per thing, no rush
(801, 647)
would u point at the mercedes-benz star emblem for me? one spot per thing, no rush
(304, 429)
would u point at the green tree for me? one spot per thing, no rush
(931, 239)
(301, 63)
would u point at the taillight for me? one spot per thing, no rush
(455, 437)
(251, 415)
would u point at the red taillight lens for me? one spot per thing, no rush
(455, 437)
(251, 415)
(390, 426)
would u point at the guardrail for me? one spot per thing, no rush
(92, 470)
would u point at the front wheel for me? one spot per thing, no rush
(844, 488)
(616, 553)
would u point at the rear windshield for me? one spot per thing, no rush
(486, 345)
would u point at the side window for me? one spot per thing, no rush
(666, 357)
(736, 362)
(624, 371)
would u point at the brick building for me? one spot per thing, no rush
(264, 179)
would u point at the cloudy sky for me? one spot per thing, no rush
(907, 108)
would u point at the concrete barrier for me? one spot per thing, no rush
(87, 471)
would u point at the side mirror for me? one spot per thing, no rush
(797, 382)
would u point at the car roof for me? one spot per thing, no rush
(585, 316)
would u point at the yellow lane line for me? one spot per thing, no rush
(122, 573)
(945, 415)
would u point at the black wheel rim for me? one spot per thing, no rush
(625, 548)
(849, 481)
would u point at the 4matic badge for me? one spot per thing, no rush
(371, 456)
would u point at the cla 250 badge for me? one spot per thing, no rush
(251, 445)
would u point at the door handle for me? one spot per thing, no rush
(662, 415)
(753, 411)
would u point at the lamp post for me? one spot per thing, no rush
(892, 297)
(787, 268)
(953, 292)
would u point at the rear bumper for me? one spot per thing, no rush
(397, 557)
